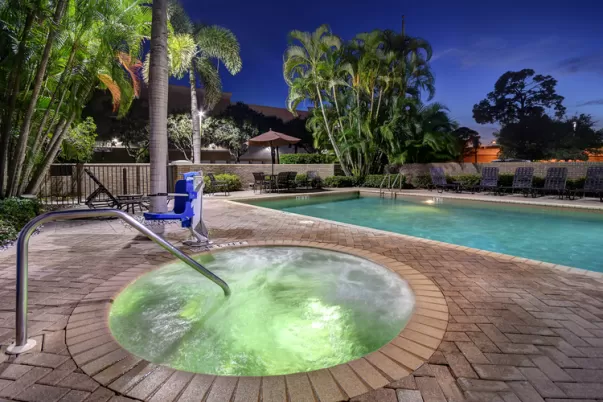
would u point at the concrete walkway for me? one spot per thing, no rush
(515, 332)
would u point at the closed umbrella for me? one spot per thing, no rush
(273, 140)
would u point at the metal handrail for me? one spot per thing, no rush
(22, 344)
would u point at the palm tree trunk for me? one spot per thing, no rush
(19, 152)
(344, 166)
(12, 92)
(195, 117)
(158, 98)
(54, 148)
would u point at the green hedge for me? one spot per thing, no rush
(504, 180)
(14, 214)
(375, 180)
(372, 180)
(305, 159)
(233, 182)
(341, 181)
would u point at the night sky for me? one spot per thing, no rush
(474, 42)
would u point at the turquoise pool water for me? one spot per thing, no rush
(561, 236)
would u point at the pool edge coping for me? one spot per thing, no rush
(108, 362)
(506, 257)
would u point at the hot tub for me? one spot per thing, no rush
(292, 309)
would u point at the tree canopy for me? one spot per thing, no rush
(366, 96)
(518, 95)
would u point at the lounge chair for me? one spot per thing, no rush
(110, 202)
(555, 181)
(218, 186)
(438, 181)
(489, 180)
(592, 185)
(522, 181)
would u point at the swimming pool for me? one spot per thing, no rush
(557, 235)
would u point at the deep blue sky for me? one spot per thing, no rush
(474, 42)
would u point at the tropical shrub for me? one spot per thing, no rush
(373, 180)
(14, 214)
(505, 179)
(232, 180)
(305, 159)
(8, 233)
(17, 212)
(301, 178)
(466, 180)
(341, 181)
(421, 181)
(575, 184)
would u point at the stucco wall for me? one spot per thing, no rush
(245, 171)
(575, 170)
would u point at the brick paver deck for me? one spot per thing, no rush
(515, 332)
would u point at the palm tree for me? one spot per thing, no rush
(425, 135)
(82, 47)
(197, 51)
(158, 98)
(302, 72)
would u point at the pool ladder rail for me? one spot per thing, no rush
(387, 184)
(22, 344)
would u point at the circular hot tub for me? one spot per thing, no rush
(292, 309)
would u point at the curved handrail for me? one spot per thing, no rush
(21, 343)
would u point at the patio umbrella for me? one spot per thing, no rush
(273, 140)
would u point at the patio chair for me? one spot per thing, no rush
(489, 180)
(218, 186)
(592, 185)
(259, 182)
(291, 176)
(313, 179)
(110, 202)
(555, 181)
(438, 181)
(282, 181)
(522, 181)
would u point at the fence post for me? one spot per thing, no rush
(125, 180)
(79, 169)
(138, 191)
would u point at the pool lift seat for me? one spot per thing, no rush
(188, 208)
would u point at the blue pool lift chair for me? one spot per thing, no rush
(188, 208)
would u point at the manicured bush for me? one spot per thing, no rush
(232, 180)
(301, 178)
(466, 180)
(14, 214)
(575, 184)
(421, 181)
(304, 159)
(8, 233)
(341, 181)
(505, 179)
(18, 212)
(375, 180)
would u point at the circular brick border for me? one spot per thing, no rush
(96, 352)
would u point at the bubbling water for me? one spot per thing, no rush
(292, 309)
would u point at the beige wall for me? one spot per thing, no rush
(575, 170)
(133, 178)
(245, 171)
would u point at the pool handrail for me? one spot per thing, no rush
(23, 344)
